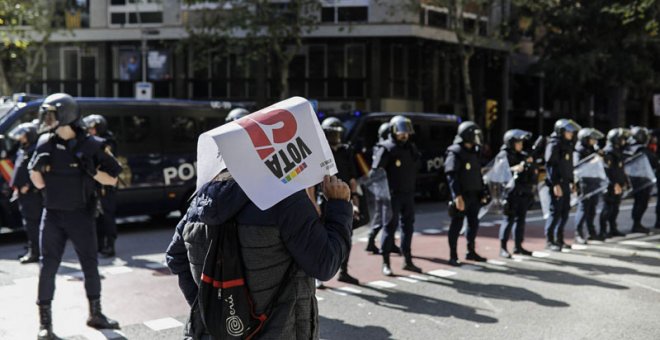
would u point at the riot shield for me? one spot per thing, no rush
(377, 192)
(544, 199)
(499, 181)
(639, 171)
(590, 172)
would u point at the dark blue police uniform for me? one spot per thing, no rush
(31, 202)
(559, 166)
(106, 226)
(518, 199)
(643, 196)
(67, 167)
(586, 210)
(614, 168)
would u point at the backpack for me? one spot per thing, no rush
(224, 301)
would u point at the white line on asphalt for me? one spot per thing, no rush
(155, 265)
(363, 239)
(318, 298)
(103, 334)
(442, 273)
(419, 277)
(382, 284)
(497, 262)
(333, 291)
(432, 231)
(407, 279)
(350, 290)
(540, 254)
(164, 323)
(116, 270)
(579, 247)
(470, 267)
(636, 243)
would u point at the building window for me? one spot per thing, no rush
(136, 12)
(435, 16)
(345, 11)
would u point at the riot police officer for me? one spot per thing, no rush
(106, 227)
(67, 163)
(30, 200)
(638, 144)
(613, 156)
(345, 161)
(236, 114)
(586, 211)
(517, 199)
(559, 167)
(399, 157)
(379, 219)
(463, 170)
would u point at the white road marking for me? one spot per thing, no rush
(442, 273)
(636, 243)
(350, 290)
(497, 262)
(155, 265)
(432, 231)
(470, 267)
(579, 247)
(318, 298)
(407, 279)
(114, 270)
(161, 324)
(103, 334)
(419, 277)
(540, 254)
(382, 284)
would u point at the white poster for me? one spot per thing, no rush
(271, 153)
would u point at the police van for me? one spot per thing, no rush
(434, 132)
(156, 145)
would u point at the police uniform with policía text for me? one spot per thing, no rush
(106, 227)
(586, 210)
(638, 144)
(30, 199)
(67, 168)
(518, 198)
(399, 160)
(463, 170)
(559, 167)
(613, 157)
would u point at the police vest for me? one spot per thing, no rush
(402, 167)
(68, 187)
(468, 168)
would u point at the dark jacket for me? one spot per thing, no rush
(21, 176)
(559, 161)
(523, 181)
(400, 162)
(614, 165)
(270, 240)
(463, 170)
(582, 151)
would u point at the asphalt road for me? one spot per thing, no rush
(607, 290)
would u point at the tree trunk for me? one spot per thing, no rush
(467, 82)
(5, 89)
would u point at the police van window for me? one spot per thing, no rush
(184, 130)
(142, 133)
(115, 126)
(137, 128)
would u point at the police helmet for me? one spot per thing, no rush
(334, 129)
(566, 125)
(516, 135)
(618, 136)
(28, 129)
(401, 124)
(236, 114)
(97, 122)
(57, 110)
(384, 130)
(639, 135)
(469, 132)
(589, 133)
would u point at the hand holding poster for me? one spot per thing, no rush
(271, 153)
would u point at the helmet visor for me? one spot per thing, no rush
(47, 118)
(478, 137)
(403, 126)
(333, 136)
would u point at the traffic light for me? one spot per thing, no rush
(491, 113)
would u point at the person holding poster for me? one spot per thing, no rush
(614, 168)
(559, 166)
(246, 176)
(399, 157)
(586, 212)
(638, 144)
(519, 194)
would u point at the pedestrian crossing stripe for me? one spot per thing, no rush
(442, 273)
(350, 290)
(407, 279)
(162, 324)
(382, 284)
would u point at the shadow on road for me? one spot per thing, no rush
(421, 304)
(333, 329)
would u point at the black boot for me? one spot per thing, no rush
(639, 228)
(472, 254)
(387, 271)
(109, 249)
(31, 256)
(519, 250)
(344, 276)
(371, 246)
(97, 319)
(410, 266)
(46, 323)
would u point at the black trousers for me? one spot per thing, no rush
(31, 206)
(516, 220)
(57, 226)
(610, 211)
(106, 227)
(641, 204)
(586, 215)
(471, 212)
(560, 208)
(403, 213)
